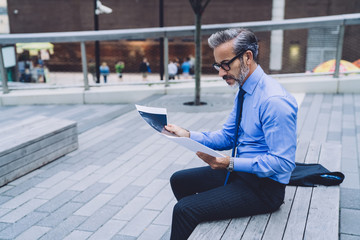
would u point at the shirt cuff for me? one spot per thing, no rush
(196, 136)
(243, 164)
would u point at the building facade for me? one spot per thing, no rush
(78, 15)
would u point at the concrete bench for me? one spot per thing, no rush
(308, 213)
(32, 143)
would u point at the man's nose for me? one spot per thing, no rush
(222, 72)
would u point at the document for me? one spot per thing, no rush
(157, 119)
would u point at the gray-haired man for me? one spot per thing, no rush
(265, 138)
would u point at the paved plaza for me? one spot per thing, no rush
(116, 184)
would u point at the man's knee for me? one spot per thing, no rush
(183, 209)
(176, 179)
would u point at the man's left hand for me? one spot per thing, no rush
(214, 162)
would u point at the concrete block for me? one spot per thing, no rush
(94, 204)
(76, 235)
(49, 96)
(125, 196)
(349, 221)
(108, 230)
(99, 218)
(139, 223)
(18, 213)
(350, 198)
(22, 225)
(58, 201)
(153, 232)
(57, 217)
(64, 228)
(90, 192)
(35, 232)
(121, 94)
(132, 208)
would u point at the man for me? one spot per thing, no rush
(172, 70)
(265, 141)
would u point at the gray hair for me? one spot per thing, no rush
(244, 40)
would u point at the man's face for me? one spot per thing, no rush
(238, 72)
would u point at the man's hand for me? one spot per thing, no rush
(214, 162)
(178, 131)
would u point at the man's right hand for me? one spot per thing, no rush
(178, 131)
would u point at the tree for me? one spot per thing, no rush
(199, 7)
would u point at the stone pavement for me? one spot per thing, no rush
(116, 185)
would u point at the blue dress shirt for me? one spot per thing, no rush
(267, 133)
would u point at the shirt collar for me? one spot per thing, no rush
(250, 83)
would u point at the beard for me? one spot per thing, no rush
(239, 80)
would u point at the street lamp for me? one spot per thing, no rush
(98, 9)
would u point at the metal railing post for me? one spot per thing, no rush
(339, 48)
(166, 60)
(339, 54)
(3, 73)
(84, 66)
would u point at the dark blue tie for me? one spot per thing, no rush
(238, 120)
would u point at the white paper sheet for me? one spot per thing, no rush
(157, 118)
(193, 145)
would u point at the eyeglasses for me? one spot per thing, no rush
(226, 65)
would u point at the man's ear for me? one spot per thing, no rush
(249, 56)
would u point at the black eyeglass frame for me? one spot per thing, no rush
(226, 65)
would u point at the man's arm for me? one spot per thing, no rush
(278, 118)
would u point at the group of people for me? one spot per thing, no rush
(175, 69)
(186, 69)
(105, 70)
(32, 70)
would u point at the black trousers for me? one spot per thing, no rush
(202, 196)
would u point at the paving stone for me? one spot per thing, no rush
(153, 188)
(23, 186)
(124, 237)
(60, 214)
(86, 182)
(63, 228)
(165, 217)
(153, 232)
(132, 208)
(54, 179)
(22, 225)
(139, 223)
(349, 221)
(126, 195)
(99, 218)
(160, 201)
(33, 233)
(22, 211)
(90, 192)
(350, 198)
(84, 172)
(57, 202)
(146, 178)
(349, 237)
(56, 189)
(22, 198)
(78, 235)
(6, 188)
(351, 180)
(4, 199)
(108, 230)
(166, 174)
(119, 185)
(94, 204)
